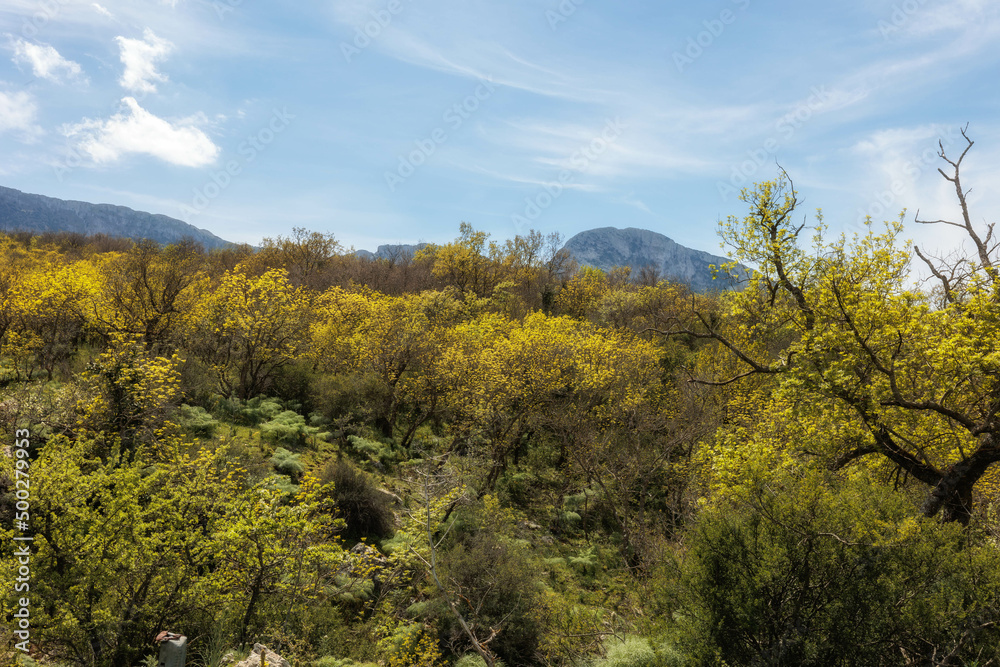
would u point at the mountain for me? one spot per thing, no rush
(393, 251)
(35, 213)
(607, 247)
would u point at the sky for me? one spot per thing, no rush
(388, 121)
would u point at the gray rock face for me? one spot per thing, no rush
(607, 247)
(35, 213)
(395, 251)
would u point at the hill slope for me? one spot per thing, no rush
(608, 247)
(35, 213)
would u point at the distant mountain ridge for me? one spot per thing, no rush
(603, 248)
(607, 247)
(37, 213)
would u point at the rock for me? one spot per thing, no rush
(608, 247)
(368, 556)
(272, 658)
(396, 253)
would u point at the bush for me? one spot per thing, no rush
(195, 420)
(367, 511)
(633, 652)
(475, 660)
(497, 579)
(329, 661)
(251, 412)
(380, 454)
(801, 571)
(286, 428)
(639, 652)
(287, 463)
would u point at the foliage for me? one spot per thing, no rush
(533, 465)
(859, 353)
(248, 328)
(411, 645)
(639, 652)
(287, 463)
(197, 421)
(495, 579)
(250, 412)
(289, 428)
(806, 569)
(132, 391)
(366, 510)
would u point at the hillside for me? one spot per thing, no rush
(36, 213)
(608, 247)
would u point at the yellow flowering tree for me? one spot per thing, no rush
(248, 328)
(868, 365)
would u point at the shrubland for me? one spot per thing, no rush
(484, 455)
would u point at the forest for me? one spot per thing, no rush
(483, 454)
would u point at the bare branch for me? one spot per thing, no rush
(945, 283)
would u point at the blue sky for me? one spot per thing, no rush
(388, 121)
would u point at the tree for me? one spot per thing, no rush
(119, 548)
(533, 265)
(146, 290)
(132, 393)
(44, 313)
(465, 263)
(123, 549)
(304, 254)
(389, 339)
(247, 329)
(864, 363)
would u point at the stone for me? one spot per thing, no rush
(272, 658)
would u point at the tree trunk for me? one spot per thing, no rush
(952, 495)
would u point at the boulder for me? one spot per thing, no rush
(272, 658)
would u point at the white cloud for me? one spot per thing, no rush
(101, 9)
(135, 130)
(140, 57)
(45, 61)
(958, 15)
(17, 114)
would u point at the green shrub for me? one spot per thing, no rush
(380, 454)
(585, 563)
(197, 421)
(287, 463)
(475, 660)
(802, 570)
(497, 580)
(286, 428)
(367, 511)
(633, 652)
(330, 661)
(251, 412)
(640, 652)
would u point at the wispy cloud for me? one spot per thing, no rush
(102, 10)
(136, 131)
(140, 57)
